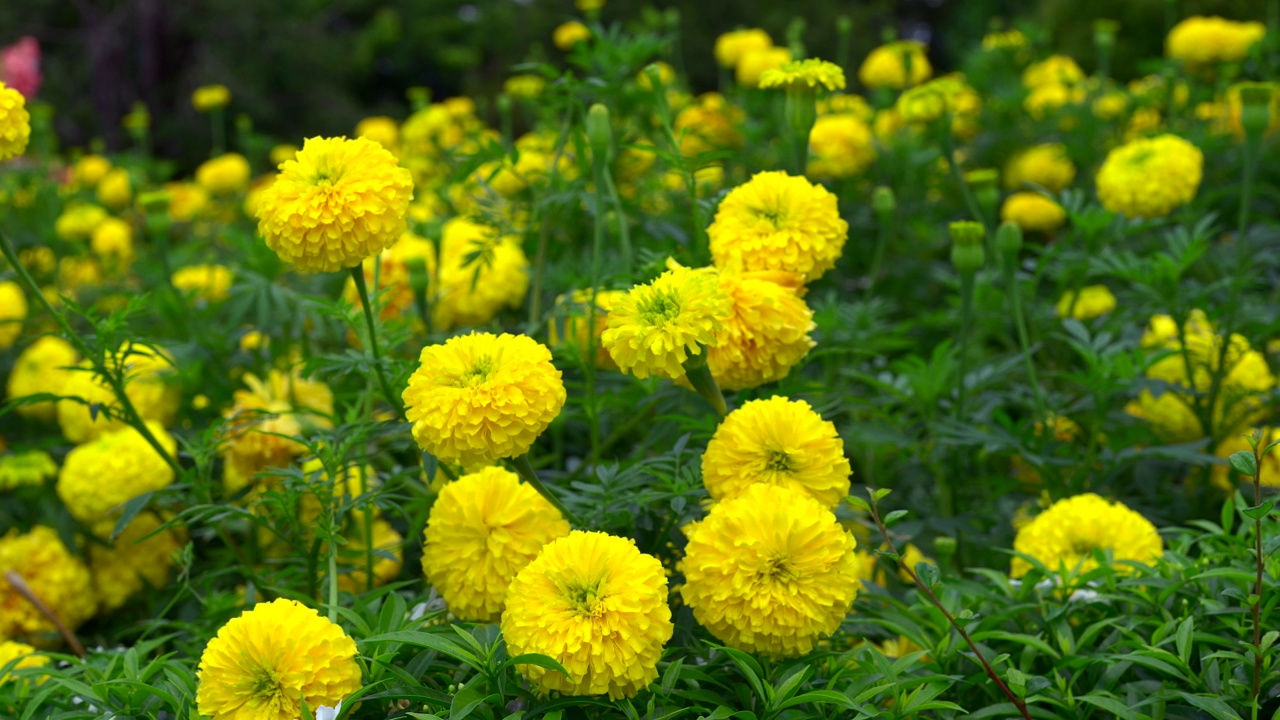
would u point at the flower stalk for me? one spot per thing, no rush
(525, 470)
(700, 378)
(357, 274)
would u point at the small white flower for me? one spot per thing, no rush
(324, 712)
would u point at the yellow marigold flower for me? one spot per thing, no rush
(776, 442)
(846, 104)
(115, 190)
(209, 97)
(732, 46)
(711, 123)
(1046, 165)
(1149, 178)
(779, 222)
(1053, 70)
(1008, 40)
(896, 65)
(753, 64)
(770, 571)
(112, 242)
(283, 153)
(1033, 212)
(482, 397)
(134, 562)
(840, 146)
(654, 328)
(146, 369)
(526, 86)
(666, 75)
(55, 575)
(265, 663)
(78, 222)
(1111, 105)
(1226, 478)
(125, 457)
(27, 468)
(388, 557)
(482, 530)
(210, 283)
(570, 34)
(41, 368)
(224, 175)
(186, 200)
(931, 101)
(90, 169)
(481, 272)
(339, 202)
(1095, 301)
(264, 420)
(394, 274)
(1064, 537)
(24, 654)
(598, 606)
(13, 311)
(1199, 41)
(381, 129)
(15, 123)
(810, 73)
(1046, 98)
(74, 273)
(571, 313)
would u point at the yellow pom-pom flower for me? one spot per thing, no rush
(132, 464)
(1053, 70)
(711, 123)
(568, 328)
(338, 202)
(380, 129)
(391, 275)
(896, 65)
(767, 330)
(24, 655)
(598, 606)
(1046, 165)
(1033, 212)
(13, 311)
(1064, 536)
(41, 368)
(840, 146)
(1094, 301)
(1202, 41)
(481, 272)
(210, 283)
(777, 221)
(265, 420)
(770, 571)
(186, 201)
(265, 663)
(56, 576)
(776, 442)
(112, 242)
(32, 467)
(90, 169)
(1150, 177)
(654, 328)
(78, 222)
(136, 561)
(732, 46)
(804, 74)
(525, 86)
(116, 189)
(753, 64)
(224, 175)
(210, 97)
(1227, 478)
(570, 34)
(481, 397)
(146, 374)
(482, 530)
(15, 123)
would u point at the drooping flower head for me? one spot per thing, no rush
(56, 576)
(263, 664)
(770, 571)
(482, 397)
(778, 442)
(654, 328)
(1150, 177)
(15, 123)
(811, 73)
(598, 606)
(1065, 536)
(896, 65)
(482, 530)
(778, 221)
(132, 465)
(338, 202)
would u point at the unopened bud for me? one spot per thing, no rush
(986, 187)
(244, 123)
(1255, 108)
(844, 25)
(883, 201)
(418, 96)
(967, 252)
(599, 133)
(1009, 238)
(654, 73)
(1104, 33)
(945, 548)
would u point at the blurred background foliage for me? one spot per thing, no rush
(305, 67)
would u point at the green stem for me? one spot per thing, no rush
(624, 229)
(357, 274)
(333, 581)
(1020, 321)
(966, 322)
(540, 261)
(884, 236)
(526, 472)
(700, 378)
(949, 152)
(589, 362)
(217, 120)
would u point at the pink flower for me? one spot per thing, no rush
(20, 66)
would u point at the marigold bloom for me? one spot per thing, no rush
(753, 64)
(732, 46)
(381, 129)
(598, 606)
(896, 65)
(388, 557)
(1007, 40)
(779, 222)
(840, 146)
(1227, 478)
(391, 275)
(15, 123)
(32, 467)
(811, 74)
(1053, 70)
(210, 283)
(525, 86)
(1064, 536)
(710, 123)
(1094, 301)
(1200, 41)
(1033, 212)
(112, 242)
(134, 562)
(41, 368)
(481, 397)
(338, 202)
(481, 272)
(13, 311)
(770, 571)
(186, 200)
(55, 575)
(265, 419)
(224, 175)
(482, 530)
(146, 373)
(571, 314)
(776, 442)
(78, 222)
(209, 97)
(24, 654)
(569, 34)
(89, 169)
(1046, 165)
(125, 457)
(115, 189)
(948, 95)
(1149, 178)
(263, 664)
(654, 328)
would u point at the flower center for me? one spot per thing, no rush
(585, 598)
(478, 373)
(778, 461)
(266, 688)
(659, 307)
(774, 216)
(777, 569)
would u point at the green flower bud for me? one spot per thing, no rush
(945, 548)
(967, 251)
(655, 76)
(883, 201)
(1104, 33)
(599, 133)
(844, 25)
(986, 188)
(1255, 108)
(1009, 238)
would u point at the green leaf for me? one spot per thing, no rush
(1244, 462)
(880, 493)
(1111, 705)
(1260, 511)
(751, 669)
(671, 675)
(1183, 637)
(538, 659)
(1213, 706)
(859, 504)
(893, 517)
(819, 697)
(431, 641)
(928, 573)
